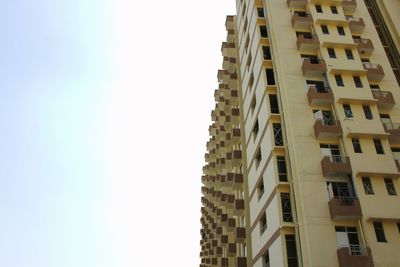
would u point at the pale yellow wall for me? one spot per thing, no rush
(390, 10)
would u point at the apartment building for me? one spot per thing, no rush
(304, 150)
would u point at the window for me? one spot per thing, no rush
(356, 145)
(255, 129)
(263, 31)
(253, 104)
(390, 187)
(273, 101)
(263, 223)
(248, 63)
(270, 76)
(324, 29)
(357, 81)
(380, 234)
(331, 53)
(378, 146)
(349, 54)
(334, 10)
(282, 171)
(278, 138)
(266, 52)
(340, 30)
(367, 112)
(246, 23)
(286, 207)
(265, 259)
(367, 186)
(260, 189)
(347, 111)
(339, 80)
(258, 157)
(246, 44)
(398, 227)
(318, 8)
(291, 250)
(260, 12)
(251, 80)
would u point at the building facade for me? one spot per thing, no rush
(303, 162)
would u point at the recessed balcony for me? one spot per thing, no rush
(296, 3)
(240, 234)
(397, 161)
(235, 115)
(241, 262)
(224, 240)
(349, 6)
(231, 224)
(224, 262)
(319, 96)
(239, 207)
(345, 208)
(364, 46)
(313, 66)
(218, 251)
(394, 130)
(355, 256)
(336, 166)
(307, 42)
(238, 181)
(327, 129)
(356, 25)
(231, 250)
(301, 20)
(374, 71)
(385, 98)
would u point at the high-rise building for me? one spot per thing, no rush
(303, 162)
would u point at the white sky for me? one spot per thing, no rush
(105, 107)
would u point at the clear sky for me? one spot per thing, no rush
(104, 114)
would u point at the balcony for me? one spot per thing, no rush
(238, 181)
(301, 20)
(327, 129)
(241, 262)
(355, 256)
(297, 4)
(385, 98)
(236, 136)
(313, 66)
(374, 71)
(240, 234)
(224, 240)
(349, 6)
(224, 262)
(394, 130)
(364, 46)
(356, 25)
(336, 166)
(218, 251)
(344, 208)
(319, 96)
(231, 224)
(305, 42)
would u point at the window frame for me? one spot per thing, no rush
(378, 146)
(325, 29)
(391, 190)
(339, 80)
(367, 185)
(331, 52)
(349, 54)
(334, 10)
(357, 82)
(379, 232)
(348, 113)
(356, 145)
(341, 31)
(367, 112)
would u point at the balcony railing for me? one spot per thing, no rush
(365, 46)
(327, 129)
(357, 25)
(385, 98)
(313, 66)
(296, 3)
(300, 20)
(355, 256)
(344, 208)
(305, 42)
(319, 96)
(394, 130)
(374, 71)
(336, 165)
(349, 6)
